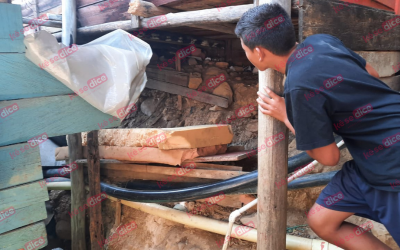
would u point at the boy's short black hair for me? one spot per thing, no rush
(279, 39)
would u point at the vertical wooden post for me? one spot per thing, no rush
(77, 193)
(272, 165)
(93, 160)
(68, 36)
(118, 210)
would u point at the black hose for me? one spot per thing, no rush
(186, 194)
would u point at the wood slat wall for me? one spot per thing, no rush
(18, 238)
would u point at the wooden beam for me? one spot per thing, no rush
(208, 16)
(170, 76)
(118, 212)
(234, 156)
(386, 63)
(54, 20)
(93, 160)
(178, 90)
(147, 9)
(272, 165)
(368, 34)
(77, 193)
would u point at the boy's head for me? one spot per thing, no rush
(266, 32)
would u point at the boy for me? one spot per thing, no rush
(330, 89)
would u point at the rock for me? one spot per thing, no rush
(195, 80)
(197, 52)
(224, 90)
(233, 74)
(249, 220)
(215, 108)
(171, 114)
(192, 61)
(198, 67)
(173, 124)
(255, 70)
(252, 126)
(222, 65)
(148, 106)
(213, 71)
(63, 230)
(238, 78)
(181, 245)
(180, 208)
(238, 69)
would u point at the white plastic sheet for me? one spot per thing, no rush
(109, 72)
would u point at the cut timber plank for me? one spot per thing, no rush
(175, 77)
(147, 155)
(172, 138)
(24, 216)
(198, 164)
(382, 61)
(103, 12)
(393, 82)
(235, 156)
(319, 17)
(27, 78)
(23, 168)
(56, 115)
(17, 239)
(178, 90)
(11, 24)
(24, 195)
(176, 171)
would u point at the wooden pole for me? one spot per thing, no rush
(77, 193)
(272, 165)
(93, 160)
(74, 142)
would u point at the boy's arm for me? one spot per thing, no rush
(275, 106)
(371, 70)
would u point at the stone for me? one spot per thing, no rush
(192, 61)
(180, 208)
(170, 114)
(180, 137)
(222, 65)
(148, 106)
(195, 80)
(252, 126)
(238, 69)
(224, 90)
(173, 123)
(63, 230)
(233, 74)
(238, 78)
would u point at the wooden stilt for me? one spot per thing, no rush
(118, 210)
(93, 160)
(272, 165)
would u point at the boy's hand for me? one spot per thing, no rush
(274, 106)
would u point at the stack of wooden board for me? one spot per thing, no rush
(121, 150)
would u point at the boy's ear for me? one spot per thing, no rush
(260, 53)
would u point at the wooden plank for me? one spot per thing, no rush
(93, 160)
(17, 239)
(56, 115)
(178, 171)
(198, 164)
(179, 90)
(234, 156)
(393, 82)
(28, 79)
(78, 193)
(24, 195)
(11, 23)
(24, 216)
(385, 62)
(162, 2)
(22, 168)
(103, 12)
(368, 20)
(129, 175)
(170, 76)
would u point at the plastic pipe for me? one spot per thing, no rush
(220, 227)
(59, 186)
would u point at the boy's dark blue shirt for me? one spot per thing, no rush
(328, 90)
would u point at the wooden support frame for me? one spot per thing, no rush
(272, 165)
(93, 160)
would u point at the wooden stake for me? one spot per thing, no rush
(96, 223)
(117, 213)
(272, 165)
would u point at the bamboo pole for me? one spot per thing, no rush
(272, 164)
